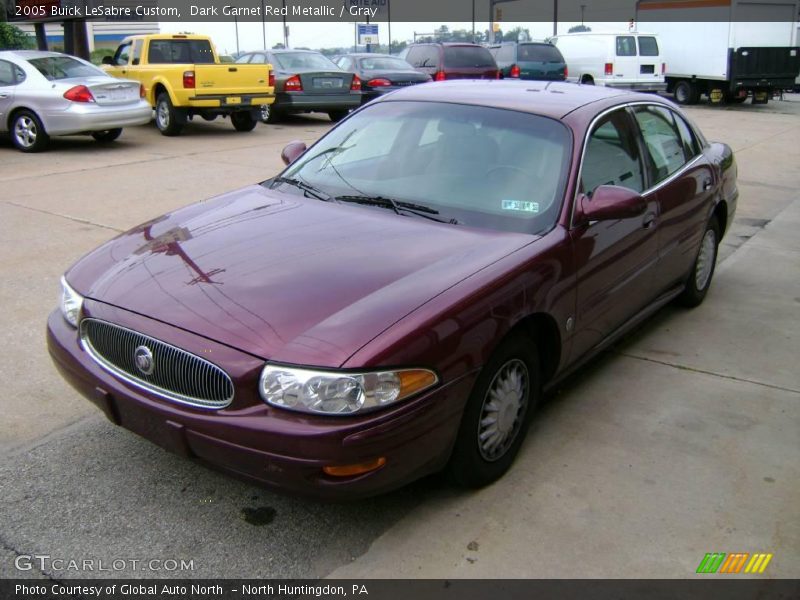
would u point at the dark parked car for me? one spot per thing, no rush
(380, 73)
(307, 81)
(452, 61)
(396, 301)
(530, 60)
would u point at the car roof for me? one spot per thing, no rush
(551, 99)
(26, 54)
(288, 50)
(368, 55)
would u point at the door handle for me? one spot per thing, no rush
(707, 185)
(649, 220)
(3, 95)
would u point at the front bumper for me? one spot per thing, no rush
(81, 117)
(267, 445)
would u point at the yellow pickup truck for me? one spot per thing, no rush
(183, 77)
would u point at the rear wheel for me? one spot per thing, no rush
(169, 120)
(337, 115)
(109, 135)
(27, 132)
(703, 269)
(243, 121)
(497, 414)
(686, 93)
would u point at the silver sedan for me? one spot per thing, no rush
(44, 94)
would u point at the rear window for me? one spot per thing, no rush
(626, 45)
(180, 52)
(467, 56)
(648, 46)
(384, 63)
(304, 60)
(539, 53)
(64, 67)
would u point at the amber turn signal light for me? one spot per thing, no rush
(356, 469)
(413, 381)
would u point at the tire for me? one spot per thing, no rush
(703, 269)
(243, 121)
(109, 135)
(169, 120)
(731, 99)
(475, 462)
(686, 92)
(28, 133)
(337, 115)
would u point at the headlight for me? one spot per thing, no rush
(332, 393)
(71, 303)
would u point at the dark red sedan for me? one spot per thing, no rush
(398, 299)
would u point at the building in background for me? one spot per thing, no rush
(100, 34)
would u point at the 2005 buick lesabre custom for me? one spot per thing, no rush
(397, 300)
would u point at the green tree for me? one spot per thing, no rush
(13, 38)
(579, 28)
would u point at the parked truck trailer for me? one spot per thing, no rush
(725, 49)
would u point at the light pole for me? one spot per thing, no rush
(263, 25)
(236, 25)
(583, 8)
(285, 32)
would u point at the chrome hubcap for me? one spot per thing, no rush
(25, 131)
(162, 114)
(503, 410)
(265, 112)
(705, 260)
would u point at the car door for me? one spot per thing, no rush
(614, 260)
(626, 63)
(10, 76)
(683, 181)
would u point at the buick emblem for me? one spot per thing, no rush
(144, 360)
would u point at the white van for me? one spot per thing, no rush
(629, 60)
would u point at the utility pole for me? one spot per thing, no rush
(263, 25)
(555, 17)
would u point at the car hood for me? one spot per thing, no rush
(285, 277)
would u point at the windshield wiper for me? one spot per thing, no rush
(306, 187)
(398, 206)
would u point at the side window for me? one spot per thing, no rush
(612, 155)
(626, 45)
(122, 55)
(137, 52)
(662, 140)
(10, 73)
(691, 147)
(346, 64)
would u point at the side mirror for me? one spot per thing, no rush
(612, 202)
(292, 152)
(107, 60)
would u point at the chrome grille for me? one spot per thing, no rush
(175, 374)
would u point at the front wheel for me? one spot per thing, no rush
(109, 135)
(497, 414)
(703, 270)
(169, 120)
(27, 132)
(243, 121)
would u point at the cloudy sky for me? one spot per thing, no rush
(330, 35)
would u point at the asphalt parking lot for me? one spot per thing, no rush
(683, 439)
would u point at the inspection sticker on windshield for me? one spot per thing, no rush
(521, 205)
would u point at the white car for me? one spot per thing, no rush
(629, 60)
(44, 94)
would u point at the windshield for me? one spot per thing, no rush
(64, 67)
(459, 57)
(304, 60)
(476, 166)
(384, 63)
(539, 53)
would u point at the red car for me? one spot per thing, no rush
(443, 61)
(397, 300)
